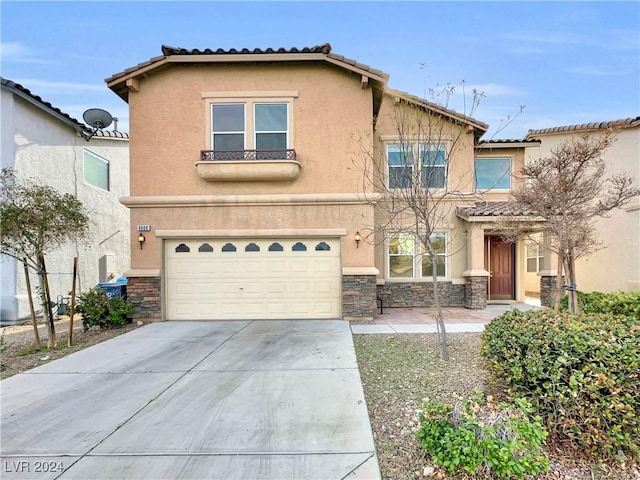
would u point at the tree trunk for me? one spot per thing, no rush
(440, 327)
(558, 291)
(46, 300)
(34, 320)
(571, 275)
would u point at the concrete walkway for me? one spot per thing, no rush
(194, 400)
(422, 319)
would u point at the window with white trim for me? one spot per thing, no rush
(534, 256)
(95, 170)
(252, 125)
(492, 173)
(408, 258)
(403, 167)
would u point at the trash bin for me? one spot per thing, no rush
(113, 290)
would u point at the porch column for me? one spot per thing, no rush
(476, 275)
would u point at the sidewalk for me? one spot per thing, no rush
(422, 319)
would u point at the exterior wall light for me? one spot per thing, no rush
(141, 239)
(357, 238)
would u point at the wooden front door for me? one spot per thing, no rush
(499, 257)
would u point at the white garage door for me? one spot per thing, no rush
(229, 279)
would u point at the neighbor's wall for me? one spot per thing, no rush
(617, 266)
(51, 153)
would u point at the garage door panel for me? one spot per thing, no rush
(253, 284)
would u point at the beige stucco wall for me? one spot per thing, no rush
(617, 266)
(170, 126)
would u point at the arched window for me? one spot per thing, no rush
(322, 246)
(182, 248)
(252, 247)
(205, 247)
(229, 247)
(276, 247)
(299, 247)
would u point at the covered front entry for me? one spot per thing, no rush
(500, 263)
(252, 278)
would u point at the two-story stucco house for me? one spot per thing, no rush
(617, 265)
(244, 187)
(42, 143)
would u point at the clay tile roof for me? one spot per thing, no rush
(621, 123)
(483, 127)
(324, 49)
(508, 140)
(38, 101)
(493, 209)
(111, 134)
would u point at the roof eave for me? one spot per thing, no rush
(117, 83)
(33, 101)
(496, 218)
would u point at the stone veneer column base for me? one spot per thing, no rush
(548, 290)
(475, 293)
(358, 297)
(144, 295)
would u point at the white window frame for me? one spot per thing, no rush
(538, 256)
(417, 161)
(492, 189)
(417, 257)
(84, 169)
(244, 131)
(255, 129)
(249, 99)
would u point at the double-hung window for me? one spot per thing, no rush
(433, 165)
(271, 127)
(228, 125)
(404, 169)
(534, 256)
(408, 258)
(252, 129)
(400, 161)
(493, 174)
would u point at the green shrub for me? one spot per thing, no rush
(617, 303)
(581, 372)
(98, 309)
(472, 436)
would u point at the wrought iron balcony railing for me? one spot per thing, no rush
(226, 155)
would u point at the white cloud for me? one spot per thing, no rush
(18, 52)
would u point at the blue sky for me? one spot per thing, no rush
(568, 63)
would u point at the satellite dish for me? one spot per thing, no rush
(97, 119)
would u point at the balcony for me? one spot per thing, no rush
(248, 166)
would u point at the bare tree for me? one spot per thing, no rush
(35, 219)
(418, 177)
(570, 190)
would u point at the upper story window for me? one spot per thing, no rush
(408, 258)
(96, 170)
(228, 126)
(404, 167)
(493, 174)
(271, 128)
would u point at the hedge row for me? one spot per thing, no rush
(616, 303)
(581, 372)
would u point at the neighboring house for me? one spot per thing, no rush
(249, 204)
(42, 143)
(617, 266)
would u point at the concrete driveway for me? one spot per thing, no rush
(194, 400)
